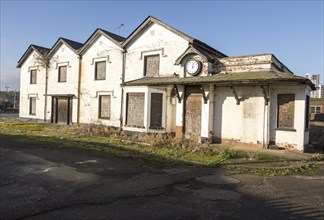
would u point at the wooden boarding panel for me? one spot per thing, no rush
(193, 116)
(135, 109)
(62, 108)
(156, 110)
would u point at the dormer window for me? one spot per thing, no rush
(151, 65)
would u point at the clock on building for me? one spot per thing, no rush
(193, 67)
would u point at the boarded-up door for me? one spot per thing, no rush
(62, 110)
(193, 113)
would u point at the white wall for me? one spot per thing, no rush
(28, 90)
(242, 122)
(155, 40)
(283, 138)
(102, 50)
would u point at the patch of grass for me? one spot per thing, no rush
(296, 169)
(156, 148)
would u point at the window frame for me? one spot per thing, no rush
(145, 64)
(292, 128)
(153, 126)
(31, 76)
(31, 110)
(127, 112)
(315, 109)
(100, 105)
(96, 70)
(59, 74)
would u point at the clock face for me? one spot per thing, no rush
(193, 67)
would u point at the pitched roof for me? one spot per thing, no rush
(112, 35)
(41, 50)
(224, 79)
(207, 55)
(73, 45)
(150, 19)
(98, 32)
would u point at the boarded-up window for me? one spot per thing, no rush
(100, 70)
(286, 110)
(62, 74)
(307, 112)
(135, 109)
(32, 105)
(156, 110)
(33, 76)
(104, 106)
(151, 65)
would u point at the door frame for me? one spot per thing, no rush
(198, 92)
(54, 111)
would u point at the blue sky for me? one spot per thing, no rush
(292, 30)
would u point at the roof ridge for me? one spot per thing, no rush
(113, 35)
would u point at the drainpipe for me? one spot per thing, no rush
(46, 83)
(79, 89)
(268, 118)
(122, 91)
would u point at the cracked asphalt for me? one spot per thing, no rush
(45, 181)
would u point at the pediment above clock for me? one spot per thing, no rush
(205, 57)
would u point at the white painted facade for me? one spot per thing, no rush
(63, 56)
(102, 49)
(252, 120)
(28, 90)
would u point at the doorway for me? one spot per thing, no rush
(61, 110)
(192, 116)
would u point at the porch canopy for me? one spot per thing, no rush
(248, 78)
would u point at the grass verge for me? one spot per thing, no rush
(156, 149)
